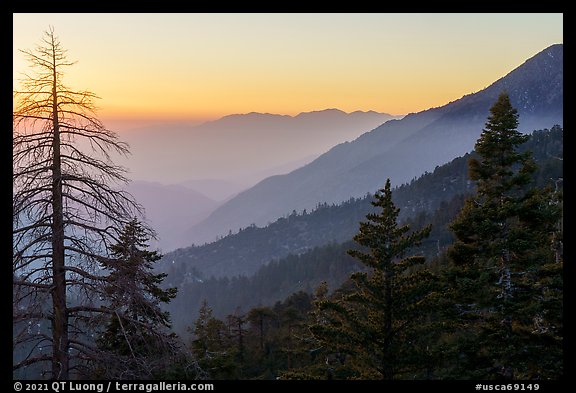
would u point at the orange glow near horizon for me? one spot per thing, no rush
(200, 67)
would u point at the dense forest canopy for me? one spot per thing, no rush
(434, 198)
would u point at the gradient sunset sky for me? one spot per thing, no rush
(198, 67)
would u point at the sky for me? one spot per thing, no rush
(200, 66)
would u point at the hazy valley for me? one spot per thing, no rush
(249, 148)
(398, 149)
(320, 246)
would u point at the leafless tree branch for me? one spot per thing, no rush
(67, 209)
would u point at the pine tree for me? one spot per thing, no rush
(237, 332)
(367, 330)
(507, 285)
(314, 366)
(258, 316)
(213, 346)
(136, 336)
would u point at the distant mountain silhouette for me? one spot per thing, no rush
(218, 190)
(237, 147)
(170, 209)
(398, 149)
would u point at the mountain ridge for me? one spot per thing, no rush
(398, 149)
(238, 146)
(244, 252)
(334, 111)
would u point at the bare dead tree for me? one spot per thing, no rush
(67, 210)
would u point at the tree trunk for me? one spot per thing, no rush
(386, 362)
(60, 356)
(60, 195)
(240, 341)
(262, 333)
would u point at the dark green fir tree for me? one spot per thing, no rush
(136, 339)
(506, 279)
(369, 329)
(213, 346)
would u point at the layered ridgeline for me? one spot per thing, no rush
(200, 167)
(170, 209)
(398, 149)
(241, 148)
(260, 266)
(243, 253)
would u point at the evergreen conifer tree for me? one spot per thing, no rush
(507, 284)
(367, 330)
(213, 346)
(136, 336)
